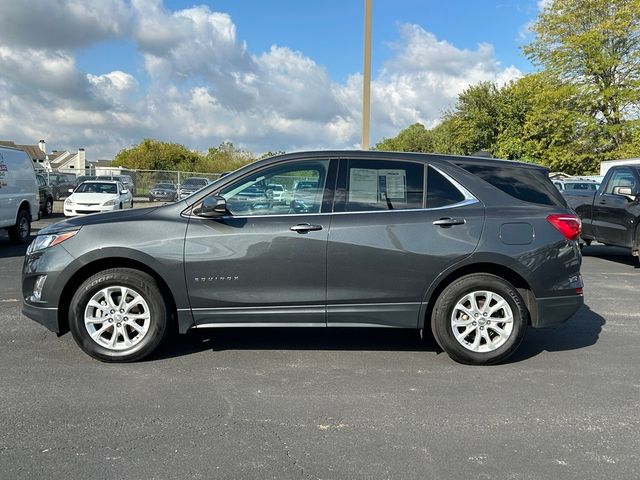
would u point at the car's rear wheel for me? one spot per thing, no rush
(48, 207)
(479, 319)
(21, 231)
(118, 315)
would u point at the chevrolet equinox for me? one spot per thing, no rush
(474, 249)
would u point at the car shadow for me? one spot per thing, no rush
(613, 254)
(337, 339)
(581, 331)
(10, 250)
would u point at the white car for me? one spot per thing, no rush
(97, 196)
(278, 192)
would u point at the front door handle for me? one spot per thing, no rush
(449, 222)
(305, 227)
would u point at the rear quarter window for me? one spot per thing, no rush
(530, 185)
(440, 191)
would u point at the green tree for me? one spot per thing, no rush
(473, 121)
(225, 158)
(152, 154)
(271, 154)
(414, 138)
(540, 121)
(594, 45)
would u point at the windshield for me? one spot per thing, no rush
(97, 187)
(164, 185)
(582, 186)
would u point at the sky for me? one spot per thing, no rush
(265, 75)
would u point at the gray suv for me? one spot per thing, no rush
(474, 249)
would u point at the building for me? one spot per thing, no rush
(35, 152)
(55, 161)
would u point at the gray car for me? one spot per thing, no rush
(474, 249)
(166, 192)
(191, 185)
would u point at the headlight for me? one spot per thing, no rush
(68, 201)
(109, 203)
(45, 241)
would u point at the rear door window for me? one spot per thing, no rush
(373, 185)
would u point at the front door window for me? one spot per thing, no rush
(294, 188)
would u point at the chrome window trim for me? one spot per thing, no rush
(469, 199)
(463, 203)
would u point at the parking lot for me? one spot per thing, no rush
(328, 403)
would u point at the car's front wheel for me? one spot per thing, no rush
(118, 315)
(479, 319)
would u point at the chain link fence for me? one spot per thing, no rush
(140, 181)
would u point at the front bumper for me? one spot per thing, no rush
(552, 311)
(53, 263)
(46, 316)
(162, 197)
(75, 210)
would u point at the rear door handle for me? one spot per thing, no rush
(305, 227)
(449, 222)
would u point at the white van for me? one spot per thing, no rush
(19, 202)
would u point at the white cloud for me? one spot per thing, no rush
(542, 4)
(203, 86)
(62, 23)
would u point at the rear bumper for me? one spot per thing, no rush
(555, 310)
(46, 316)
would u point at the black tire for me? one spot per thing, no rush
(443, 330)
(21, 231)
(131, 206)
(48, 207)
(137, 281)
(120, 205)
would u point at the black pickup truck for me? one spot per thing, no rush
(611, 214)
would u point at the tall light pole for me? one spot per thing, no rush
(366, 74)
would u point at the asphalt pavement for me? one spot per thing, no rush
(328, 403)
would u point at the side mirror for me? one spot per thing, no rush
(213, 206)
(624, 192)
(70, 190)
(124, 191)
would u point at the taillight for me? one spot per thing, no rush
(567, 224)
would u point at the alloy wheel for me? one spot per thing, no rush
(117, 318)
(482, 321)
